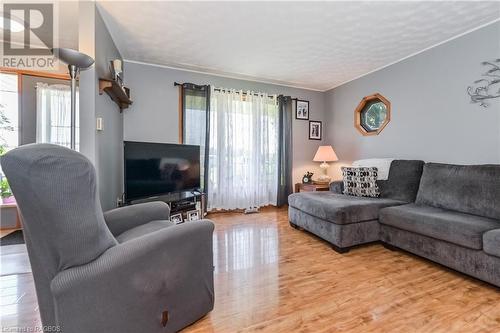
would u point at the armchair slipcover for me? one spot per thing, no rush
(127, 270)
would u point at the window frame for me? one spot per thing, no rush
(20, 74)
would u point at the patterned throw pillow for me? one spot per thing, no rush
(360, 182)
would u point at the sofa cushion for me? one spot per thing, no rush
(383, 166)
(143, 229)
(403, 181)
(454, 227)
(472, 189)
(339, 208)
(491, 242)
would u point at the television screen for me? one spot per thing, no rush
(153, 169)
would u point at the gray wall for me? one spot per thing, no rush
(432, 117)
(88, 80)
(154, 114)
(109, 141)
(103, 148)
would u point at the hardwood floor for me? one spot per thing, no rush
(272, 278)
(5, 232)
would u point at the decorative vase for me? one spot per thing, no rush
(9, 200)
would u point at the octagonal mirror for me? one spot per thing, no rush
(372, 114)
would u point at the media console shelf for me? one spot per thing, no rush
(121, 96)
(180, 202)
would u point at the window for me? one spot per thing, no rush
(53, 115)
(195, 107)
(18, 101)
(243, 166)
(243, 154)
(194, 120)
(372, 114)
(9, 111)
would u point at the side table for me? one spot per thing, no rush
(301, 187)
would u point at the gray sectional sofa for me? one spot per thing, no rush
(449, 214)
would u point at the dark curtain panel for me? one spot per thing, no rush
(285, 187)
(195, 101)
(206, 155)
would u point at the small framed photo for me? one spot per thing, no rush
(193, 215)
(177, 218)
(302, 110)
(315, 130)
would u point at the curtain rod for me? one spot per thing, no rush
(196, 85)
(243, 92)
(221, 89)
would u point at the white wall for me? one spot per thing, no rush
(154, 114)
(432, 117)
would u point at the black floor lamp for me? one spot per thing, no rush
(76, 61)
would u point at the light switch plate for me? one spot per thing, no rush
(98, 124)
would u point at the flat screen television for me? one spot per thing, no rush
(155, 169)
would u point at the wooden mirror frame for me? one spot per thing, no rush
(361, 106)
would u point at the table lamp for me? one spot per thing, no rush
(325, 154)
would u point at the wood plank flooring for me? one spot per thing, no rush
(272, 278)
(5, 232)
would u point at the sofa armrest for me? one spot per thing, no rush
(168, 270)
(491, 242)
(337, 186)
(124, 218)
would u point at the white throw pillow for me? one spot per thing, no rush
(383, 166)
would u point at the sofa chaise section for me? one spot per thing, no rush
(339, 208)
(342, 220)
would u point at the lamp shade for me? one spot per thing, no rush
(325, 154)
(73, 57)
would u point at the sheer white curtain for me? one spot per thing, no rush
(53, 115)
(243, 166)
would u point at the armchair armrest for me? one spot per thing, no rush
(337, 186)
(124, 218)
(168, 270)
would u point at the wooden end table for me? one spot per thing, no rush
(301, 187)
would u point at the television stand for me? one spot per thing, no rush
(180, 202)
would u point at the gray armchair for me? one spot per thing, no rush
(127, 270)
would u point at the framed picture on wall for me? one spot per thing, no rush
(302, 110)
(315, 130)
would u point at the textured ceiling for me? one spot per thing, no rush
(315, 45)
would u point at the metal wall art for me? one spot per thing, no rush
(488, 86)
